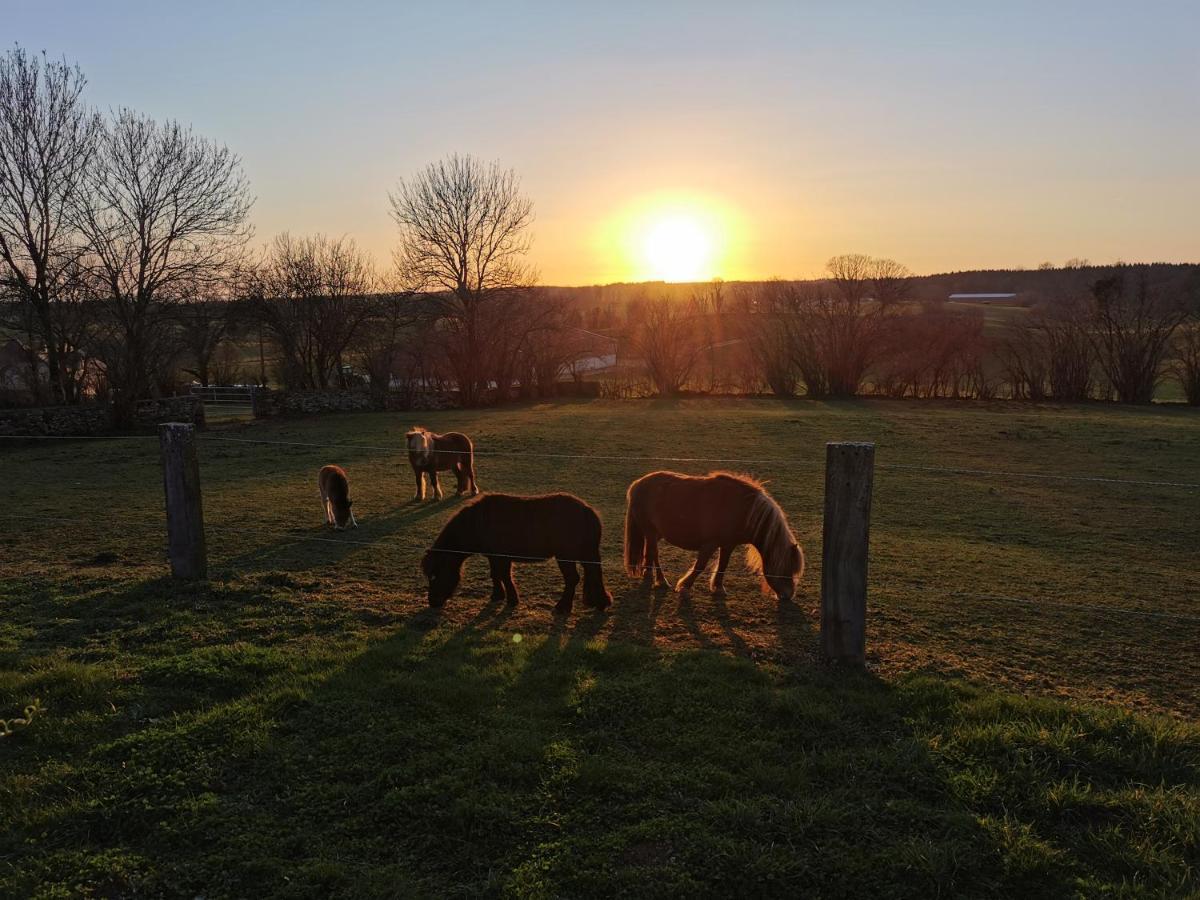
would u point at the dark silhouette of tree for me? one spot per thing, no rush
(165, 220)
(669, 342)
(891, 282)
(1186, 367)
(315, 301)
(464, 232)
(47, 141)
(1133, 323)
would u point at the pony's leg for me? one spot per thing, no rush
(353, 521)
(420, 494)
(470, 467)
(499, 569)
(718, 577)
(594, 593)
(653, 568)
(510, 587)
(685, 583)
(437, 488)
(570, 583)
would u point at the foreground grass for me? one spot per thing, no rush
(267, 742)
(304, 727)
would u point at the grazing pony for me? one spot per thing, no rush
(430, 453)
(335, 497)
(708, 513)
(507, 529)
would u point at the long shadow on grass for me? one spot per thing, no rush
(318, 546)
(457, 760)
(470, 759)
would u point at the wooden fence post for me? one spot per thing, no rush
(849, 469)
(185, 515)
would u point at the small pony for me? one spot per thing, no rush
(708, 513)
(507, 529)
(335, 497)
(430, 453)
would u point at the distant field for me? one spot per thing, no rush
(306, 706)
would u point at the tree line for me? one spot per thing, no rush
(127, 270)
(1099, 333)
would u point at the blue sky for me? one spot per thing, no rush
(946, 135)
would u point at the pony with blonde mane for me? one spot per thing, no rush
(430, 453)
(709, 514)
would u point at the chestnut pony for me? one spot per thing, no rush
(335, 497)
(710, 513)
(430, 453)
(506, 529)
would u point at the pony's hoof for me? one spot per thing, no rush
(602, 603)
(561, 609)
(720, 594)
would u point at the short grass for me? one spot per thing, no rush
(302, 726)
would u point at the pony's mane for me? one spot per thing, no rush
(417, 429)
(769, 526)
(739, 477)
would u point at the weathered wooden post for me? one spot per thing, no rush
(185, 515)
(849, 470)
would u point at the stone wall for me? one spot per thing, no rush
(57, 421)
(97, 418)
(267, 403)
(170, 409)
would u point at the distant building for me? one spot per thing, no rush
(1001, 299)
(15, 369)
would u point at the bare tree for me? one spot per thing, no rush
(464, 232)
(1065, 329)
(47, 141)
(1186, 367)
(204, 328)
(769, 316)
(1023, 358)
(314, 303)
(670, 343)
(165, 219)
(891, 282)
(1132, 330)
(850, 274)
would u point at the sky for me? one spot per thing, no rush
(755, 139)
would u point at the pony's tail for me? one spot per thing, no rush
(635, 543)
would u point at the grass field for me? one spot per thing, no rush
(303, 726)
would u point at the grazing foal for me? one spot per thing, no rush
(507, 529)
(430, 453)
(335, 497)
(710, 513)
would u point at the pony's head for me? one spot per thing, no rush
(774, 554)
(341, 511)
(420, 443)
(442, 570)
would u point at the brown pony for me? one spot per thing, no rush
(430, 453)
(507, 529)
(708, 513)
(335, 497)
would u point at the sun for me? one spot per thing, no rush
(677, 247)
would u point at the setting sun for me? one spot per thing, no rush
(678, 248)
(675, 236)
